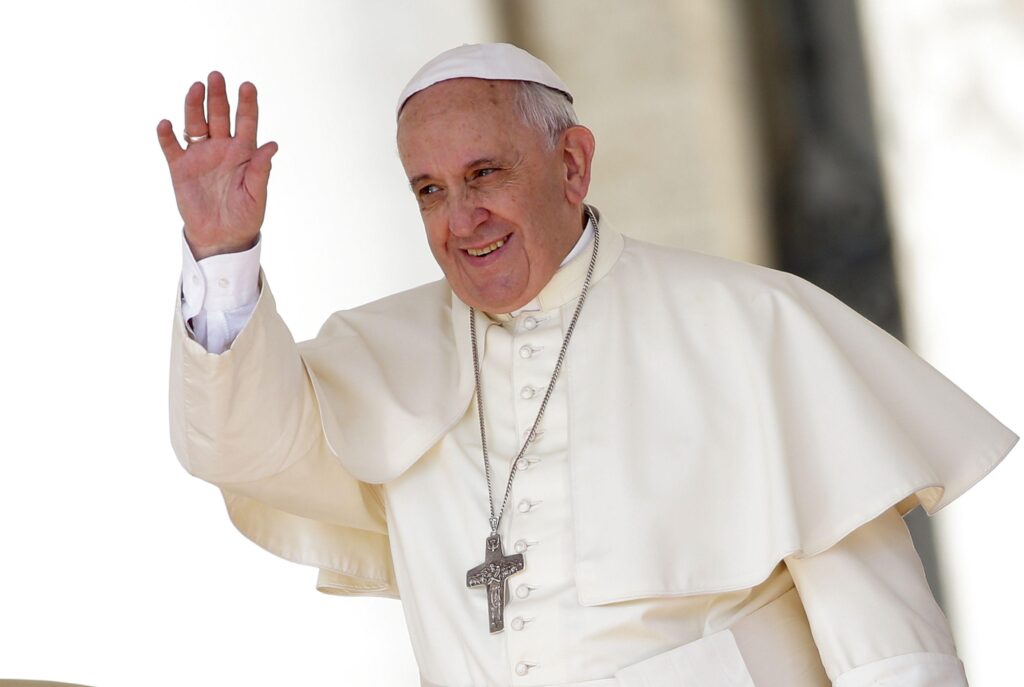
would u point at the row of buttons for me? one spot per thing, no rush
(526, 505)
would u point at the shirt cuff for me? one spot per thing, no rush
(923, 669)
(219, 283)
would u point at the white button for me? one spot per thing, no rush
(521, 546)
(530, 323)
(522, 591)
(525, 506)
(522, 668)
(527, 392)
(526, 351)
(518, 623)
(223, 282)
(195, 279)
(522, 464)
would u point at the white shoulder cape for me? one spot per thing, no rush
(722, 416)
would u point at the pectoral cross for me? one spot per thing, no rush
(493, 573)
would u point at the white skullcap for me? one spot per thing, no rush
(496, 61)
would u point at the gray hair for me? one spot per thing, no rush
(545, 109)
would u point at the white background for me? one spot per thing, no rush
(947, 78)
(117, 569)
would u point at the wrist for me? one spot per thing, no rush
(199, 252)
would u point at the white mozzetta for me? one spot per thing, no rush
(717, 426)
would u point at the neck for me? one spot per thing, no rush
(580, 226)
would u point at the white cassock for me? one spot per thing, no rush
(714, 498)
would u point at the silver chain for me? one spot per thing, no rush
(496, 519)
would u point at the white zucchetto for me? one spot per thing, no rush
(495, 61)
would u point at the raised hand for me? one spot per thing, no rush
(220, 182)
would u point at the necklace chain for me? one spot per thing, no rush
(495, 518)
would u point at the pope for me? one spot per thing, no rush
(578, 459)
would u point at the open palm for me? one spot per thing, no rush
(220, 183)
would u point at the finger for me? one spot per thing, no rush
(247, 116)
(168, 141)
(195, 119)
(258, 172)
(217, 107)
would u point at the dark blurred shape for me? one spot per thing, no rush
(822, 175)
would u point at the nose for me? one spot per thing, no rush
(464, 215)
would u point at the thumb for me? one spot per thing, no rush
(259, 164)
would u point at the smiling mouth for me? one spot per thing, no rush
(485, 250)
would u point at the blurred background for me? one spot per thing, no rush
(876, 148)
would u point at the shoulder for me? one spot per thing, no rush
(678, 273)
(432, 294)
(418, 307)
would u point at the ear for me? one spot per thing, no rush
(577, 151)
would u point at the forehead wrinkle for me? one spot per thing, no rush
(450, 127)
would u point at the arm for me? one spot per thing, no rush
(220, 185)
(248, 421)
(246, 418)
(872, 613)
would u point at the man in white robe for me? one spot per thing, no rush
(713, 495)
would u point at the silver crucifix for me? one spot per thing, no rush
(493, 573)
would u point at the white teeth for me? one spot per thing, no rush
(477, 252)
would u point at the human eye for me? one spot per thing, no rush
(484, 172)
(428, 190)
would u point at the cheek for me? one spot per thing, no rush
(437, 236)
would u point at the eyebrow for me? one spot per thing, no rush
(479, 162)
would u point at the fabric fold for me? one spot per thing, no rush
(758, 418)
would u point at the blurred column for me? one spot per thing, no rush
(664, 85)
(947, 78)
(828, 212)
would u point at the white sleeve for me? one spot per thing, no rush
(218, 295)
(872, 614)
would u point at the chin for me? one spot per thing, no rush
(493, 300)
(492, 303)
(492, 306)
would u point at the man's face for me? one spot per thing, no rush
(492, 195)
